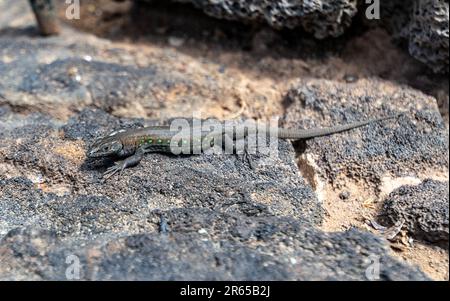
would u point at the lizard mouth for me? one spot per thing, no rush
(93, 153)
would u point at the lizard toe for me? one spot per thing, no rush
(111, 171)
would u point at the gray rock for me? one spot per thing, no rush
(408, 144)
(322, 18)
(423, 23)
(204, 245)
(424, 208)
(344, 195)
(171, 217)
(424, 26)
(429, 34)
(19, 10)
(80, 204)
(74, 82)
(224, 220)
(46, 16)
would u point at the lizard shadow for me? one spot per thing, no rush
(103, 163)
(13, 32)
(91, 164)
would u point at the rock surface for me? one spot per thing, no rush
(322, 18)
(424, 208)
(247, 214)
(424, 23)
(429, 34)
(424, 26)
(208, 217)
(202, 244)
(66, 75)
(223, 183)
(408, 145)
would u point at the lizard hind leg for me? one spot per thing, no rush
(231, 147)
(248, 157)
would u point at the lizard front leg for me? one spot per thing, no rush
(128, 162)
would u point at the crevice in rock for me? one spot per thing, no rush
(306, 169)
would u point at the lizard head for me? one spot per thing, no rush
(105, 147)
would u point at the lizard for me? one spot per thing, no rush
(134, 143)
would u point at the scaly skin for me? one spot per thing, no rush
(134, 143)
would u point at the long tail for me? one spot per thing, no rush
(311, 133)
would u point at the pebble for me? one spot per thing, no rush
(176, 41)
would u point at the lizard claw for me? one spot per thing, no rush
(121, 165)
(112, 170)
(248, 157)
